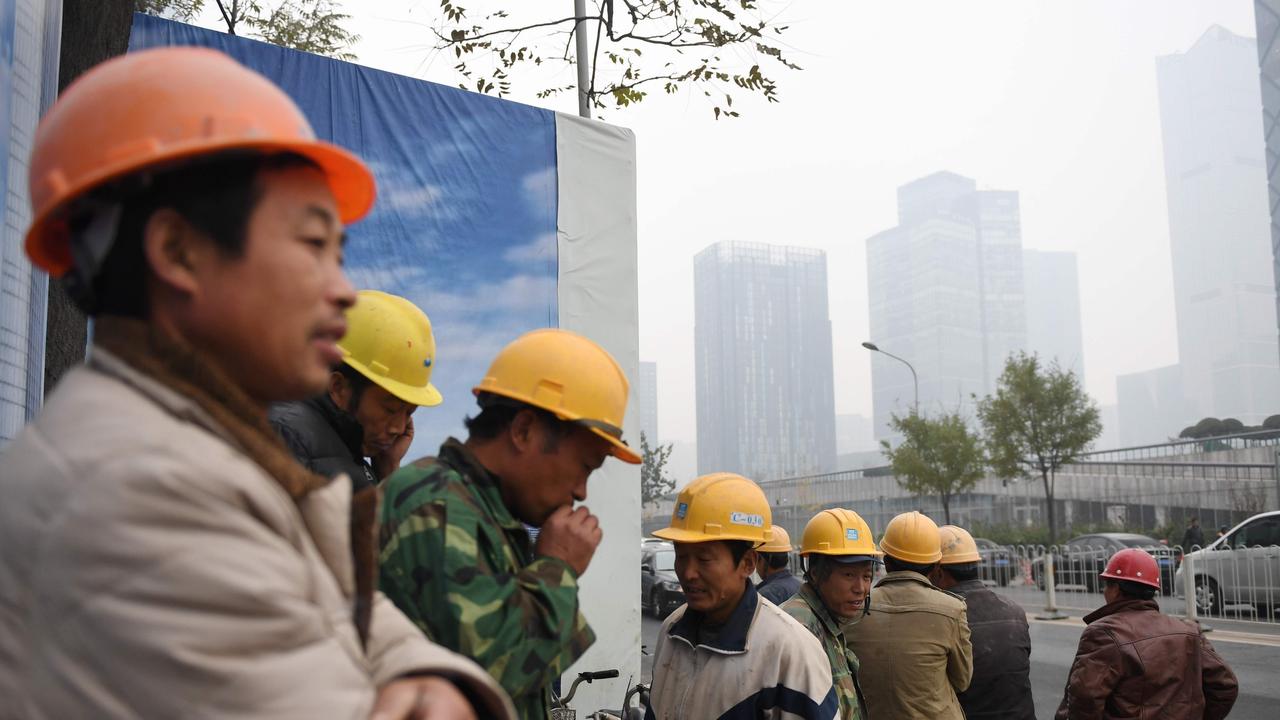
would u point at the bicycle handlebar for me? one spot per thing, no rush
(586, 677)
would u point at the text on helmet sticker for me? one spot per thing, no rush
(682, 510)
(741, 518)
(851, 533)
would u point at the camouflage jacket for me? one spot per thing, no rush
(807, 609)
(462, 569)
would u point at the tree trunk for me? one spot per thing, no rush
(1048, 496)
(946, 507)
(92, 31)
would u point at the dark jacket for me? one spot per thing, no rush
(779, 587)
(1001, 684)
(324, 438)
(1134, 662)
(1192, 538)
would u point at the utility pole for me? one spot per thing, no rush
(584, 65)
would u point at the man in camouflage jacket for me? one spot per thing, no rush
(456, 556)
(807, 609)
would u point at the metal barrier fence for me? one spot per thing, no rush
(1221, 581)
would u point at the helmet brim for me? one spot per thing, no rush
(422, 396)
(681, 535)
(349, 179)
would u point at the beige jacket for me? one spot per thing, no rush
(150, 568)
(913, 650)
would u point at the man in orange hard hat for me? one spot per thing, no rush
(456, 555)
(161, 553)
(1134, 661)
(367, 409)
(1001, 683)
(913, 648)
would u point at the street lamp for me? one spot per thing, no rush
(915, 381)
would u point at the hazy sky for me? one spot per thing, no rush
(1056, 100)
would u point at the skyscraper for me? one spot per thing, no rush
(946, 293)
(647, 401)
(762, 343)
(1052, 285)
(1223, 277)
(1266, 15)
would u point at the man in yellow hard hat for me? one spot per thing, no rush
(913, 647)
(1001, 684)
(777, 582)
(455, 554)
(367, 409)
(725, 654)
(840, 557)
(161, 554)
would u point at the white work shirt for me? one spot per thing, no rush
(762, 665)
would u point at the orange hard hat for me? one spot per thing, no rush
(1133, 565)
(154, 108)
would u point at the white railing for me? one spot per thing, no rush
(1218, 582)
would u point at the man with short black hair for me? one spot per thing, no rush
(725, 654)
(457, 556)
(913, 648)
(1134, 661)
(1001, 639)
(1193, 538)
(777, 582)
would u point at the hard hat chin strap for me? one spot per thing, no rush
(93, 233)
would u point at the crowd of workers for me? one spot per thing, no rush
(937, 643)
(210, 517)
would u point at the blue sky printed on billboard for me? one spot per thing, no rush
(465, 223)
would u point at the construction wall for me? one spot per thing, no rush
(495, 218)
(28, 83)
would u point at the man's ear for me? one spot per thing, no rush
(339, 389)
(523, 431)
(175, 251)
(749, 562)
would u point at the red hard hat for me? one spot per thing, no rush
(1134, 565)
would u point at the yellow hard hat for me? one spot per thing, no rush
(719, 506)
(912, 538)
(389, 341)
(778, 542)
(567, 375)
(958, 546)
(839, 532)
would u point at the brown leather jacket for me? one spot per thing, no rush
(1134, 662)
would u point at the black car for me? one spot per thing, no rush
(999, 564)
(1082, 559)
(660, 591)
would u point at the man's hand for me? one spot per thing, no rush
(421, 698)
(388, 461)
(570, 535)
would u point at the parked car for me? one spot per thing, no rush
(1083, 558)
(1239, 568)
(660, 591)
(999, 563)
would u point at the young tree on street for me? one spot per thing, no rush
(1039, 419)
(654, 480)
(938, 456)
(724, 48)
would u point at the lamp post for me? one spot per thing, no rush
(915, 381)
